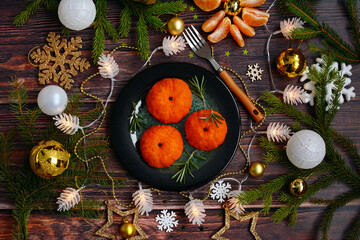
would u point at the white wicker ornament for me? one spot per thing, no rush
(143, 200)
(76, 14)
(195, 211)
(287, 26)
(166, 220)
(173, 45)
(234, 204)
(68, 199)
(220, 190)
(69, 124)
(108, 67)
(294, 95)
(306, 149)
(278, 132)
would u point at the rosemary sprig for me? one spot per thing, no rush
(186, 167)
(136, 121)
(198, 88)
(215, 118)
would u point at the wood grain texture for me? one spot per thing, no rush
(15, 44)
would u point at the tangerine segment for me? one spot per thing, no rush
(221, 31)
(254, 17)
(204, 135)
(169, 100)
(236, 34)
(207, 5)
(210, 24)
(251, 3)
(161, 146)
(243, 26)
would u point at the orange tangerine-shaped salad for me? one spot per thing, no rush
(169, 100)
(204, 134)
(161, 146)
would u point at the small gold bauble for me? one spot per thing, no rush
(298, 187)
(127, 230)
(256, 169)
(49, 159)
(291, 62)
(232, 7)
(176, 25)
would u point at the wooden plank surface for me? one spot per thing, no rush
(15, 44)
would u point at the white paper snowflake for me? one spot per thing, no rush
(220, 190)
(346, 93)
(254, 72)
(166, 220)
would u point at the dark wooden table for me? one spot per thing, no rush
(15, 44)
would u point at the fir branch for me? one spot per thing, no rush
(337, 203)
(125, 20)
(287, 109)
(352, 10)
(305, 33)
(171, 7)
(30, 9)
(186, 167)
(26, 117)
(354, 231)
(143, 38)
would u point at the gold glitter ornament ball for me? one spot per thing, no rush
(256, 169)
(49, 159)
(127, 230)
(291, 62)
(298, 187)
(232, 7)
(175, 25)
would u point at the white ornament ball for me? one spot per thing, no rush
(306, 149)
(52, 100)
(76, 14)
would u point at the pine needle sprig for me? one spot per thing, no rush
(198, 88)
(30, 9)
(214, 117)
(143, 37)
(352, 9)
(136, 121)
(125, 19)
(354, 230)
(186, 167)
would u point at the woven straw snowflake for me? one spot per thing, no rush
(59, 60)
(254, 72)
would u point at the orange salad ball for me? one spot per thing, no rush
(161, 146)
(169, 100)
(204, 135)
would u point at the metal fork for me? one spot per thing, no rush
(202, 49)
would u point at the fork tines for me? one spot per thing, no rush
(194, 39)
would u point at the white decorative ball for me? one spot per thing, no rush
(306, 149)
(76, 14)
(52, 100)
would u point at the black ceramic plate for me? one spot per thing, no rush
(126, 144)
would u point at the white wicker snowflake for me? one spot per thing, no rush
(166, 220)
(220, 190)
(254, 72)
(346, 93)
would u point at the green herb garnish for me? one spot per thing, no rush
(215, 118)
(136, 121)
(198, 88)
(186, 167)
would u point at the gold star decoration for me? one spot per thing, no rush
(253, 215)
(110, 210)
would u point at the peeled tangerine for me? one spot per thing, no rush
(236, 34)
(207, 5)
(254, 17)
(221, 31)
(251, 3)
(243, 26)
(210, 24)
